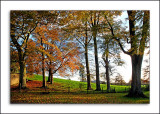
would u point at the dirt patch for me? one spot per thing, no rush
(14, 79)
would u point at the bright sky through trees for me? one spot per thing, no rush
(125, 70)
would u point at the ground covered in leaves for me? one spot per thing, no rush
(60, 93)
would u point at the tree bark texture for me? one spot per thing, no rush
(136, 90)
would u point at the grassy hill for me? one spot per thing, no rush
(82, 86)
(71, 92)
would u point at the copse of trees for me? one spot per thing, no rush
(52, 41)
(38, 27)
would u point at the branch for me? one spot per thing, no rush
(117, 39)
(91, 19)
(128, 41)
(15, 43)
(23, 25)
(144, 31)
(60, 66)
(103, 64)
(26, 40)
(80, 42)
(98, 18)
(34, 28)
(89, 40)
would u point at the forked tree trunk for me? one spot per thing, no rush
(87, 64)
(136, 90)
(96, 60)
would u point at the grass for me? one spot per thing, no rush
(60, 98)
(68, 91)
(81, 85)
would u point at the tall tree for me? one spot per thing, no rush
(138, 41)
(106, 61)
(78, 25)
(45, 37)
(94, 22)
(23, 23)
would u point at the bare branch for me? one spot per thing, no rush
(117, 39)
(103, 64)
(80, 42)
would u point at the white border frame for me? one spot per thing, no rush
(153, 6)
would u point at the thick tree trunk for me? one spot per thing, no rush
(22, 76)
(96, 61)
(107, 74)
(136, 90)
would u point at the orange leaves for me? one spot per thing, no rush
(60, 53)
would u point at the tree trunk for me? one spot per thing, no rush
(87, 64)
(96, 61)
(43, 68)
(107, 74)
(22, 76)
(43, 73)
(136, 90)
(49, 75)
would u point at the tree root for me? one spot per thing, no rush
(136, 95)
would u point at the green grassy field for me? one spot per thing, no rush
(72, 92)
(77, 85)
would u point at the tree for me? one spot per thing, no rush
(22, 24)
(109, 48)
(94, 23)
(81, 72)
(138, 36)
(46, 38)
(85, 45)
(79, 29)
(119, 79)
(32, 59)
(14, 65)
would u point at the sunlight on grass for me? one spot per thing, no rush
(58, 92)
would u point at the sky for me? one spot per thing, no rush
(125, 71)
